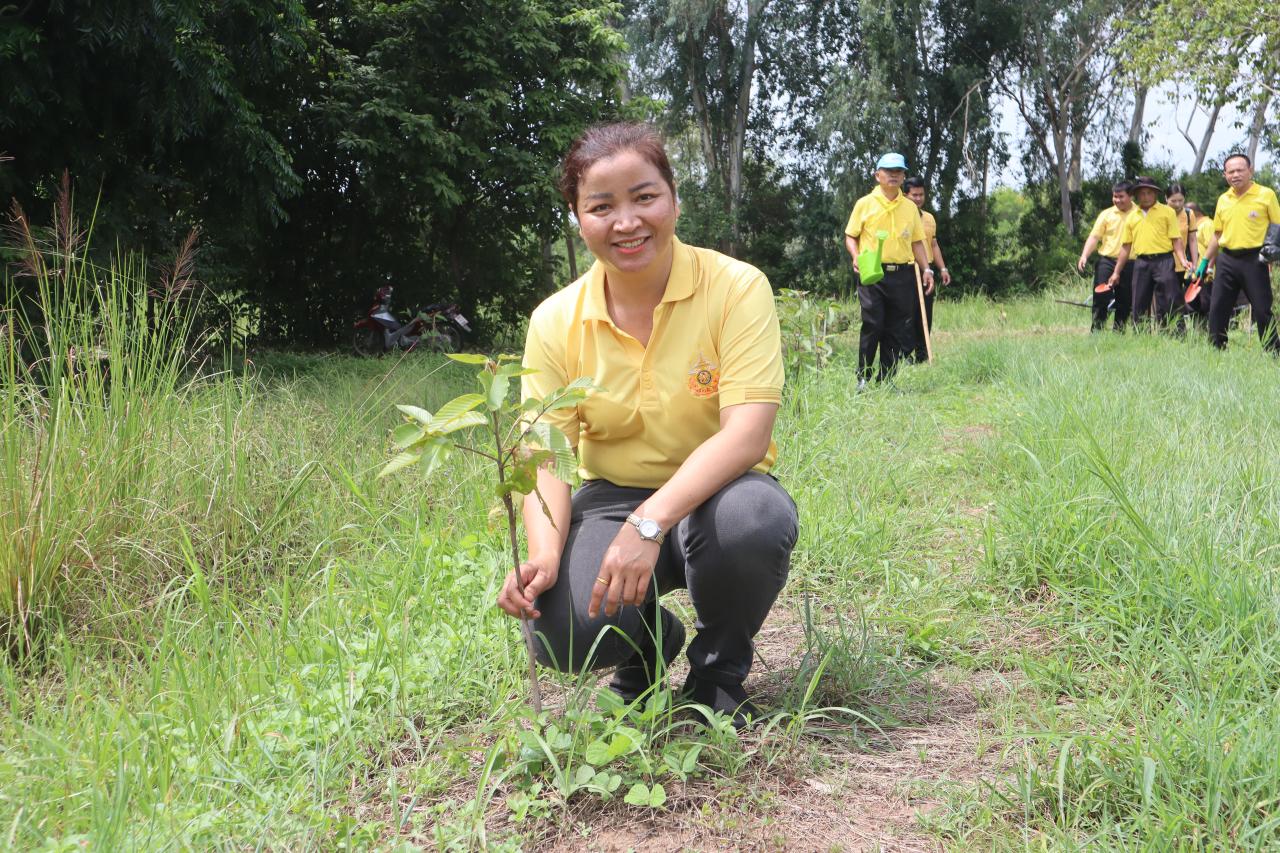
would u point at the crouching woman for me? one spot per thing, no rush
(674, 450)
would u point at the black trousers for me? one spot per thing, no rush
(732, 553)
(1122, 295)
(1155, 280)
(889, 308)
(922, 352)
(1233, 275)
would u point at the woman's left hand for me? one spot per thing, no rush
(624, 572)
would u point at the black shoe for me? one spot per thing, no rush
(728, 699)
(636, 676)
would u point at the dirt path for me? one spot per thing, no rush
(826, 794)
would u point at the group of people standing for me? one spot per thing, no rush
(1160, 261)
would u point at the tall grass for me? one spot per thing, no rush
(94, 375)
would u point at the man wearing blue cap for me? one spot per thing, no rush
(889, 306)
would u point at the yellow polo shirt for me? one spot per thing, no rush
(715, 343)
(1204, 232)
(1184, 229)
(930, 227)
(1151, 232)
(1243, 219)
(1109, 229)
(900, 217)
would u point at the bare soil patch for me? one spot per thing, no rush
(823, 793)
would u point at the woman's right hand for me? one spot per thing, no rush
(538, 575)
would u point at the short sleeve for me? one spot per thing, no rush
(544, 352)
(1173, 231)
(1218, 223)
(856, 220)
(750, 345)
(1273, 208)
(917, 227)
(1099, 226)
(1129, 223)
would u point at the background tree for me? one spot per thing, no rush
(1235, 52)
(323, 147)
(1061, 78)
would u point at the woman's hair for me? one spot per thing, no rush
(1175, 188)
(602, 141)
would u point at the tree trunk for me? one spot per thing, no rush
(1062, 164)
(548, 276)
(741, 111)
(1203, 148)
(1139, 107)
(1259, 121)
(571, 252)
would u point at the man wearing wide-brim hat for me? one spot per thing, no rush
(890, 305)
(1152, 238)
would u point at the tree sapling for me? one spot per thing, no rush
(518, 443)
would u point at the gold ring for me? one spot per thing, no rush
(602, 580)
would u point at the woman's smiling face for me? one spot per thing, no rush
(626, 212)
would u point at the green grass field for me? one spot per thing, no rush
(1033, 605)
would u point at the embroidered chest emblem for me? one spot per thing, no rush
(1253, 214)
(704, 378)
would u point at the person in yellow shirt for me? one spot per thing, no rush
(916, 191)
(1151, 237)
(1239, 226)
(1202, 228)
(890, 305)
(674, 450)
(1106, 237)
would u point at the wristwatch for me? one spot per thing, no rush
(649, 529)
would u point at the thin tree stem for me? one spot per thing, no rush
(535, 690)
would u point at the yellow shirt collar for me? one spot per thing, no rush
(680, 284)
(878, 195)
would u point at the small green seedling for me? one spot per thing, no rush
(518, 443)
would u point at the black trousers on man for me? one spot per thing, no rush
(889, 308)
(1122, 295)
(1155, 279)
(1240, 270)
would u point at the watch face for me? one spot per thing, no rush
(649, 528)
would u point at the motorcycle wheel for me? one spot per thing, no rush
(450, 339)
(366, 343)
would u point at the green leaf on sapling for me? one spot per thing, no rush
(399, 461)
(407, 434)
(496, 391)
(469, 357)
(457, 406)
(419, 414)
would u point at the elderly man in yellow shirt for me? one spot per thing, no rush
(890, 305)
(1107, 237)
(1151, 236)
(1240, 224)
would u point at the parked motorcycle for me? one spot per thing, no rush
(440, 327)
